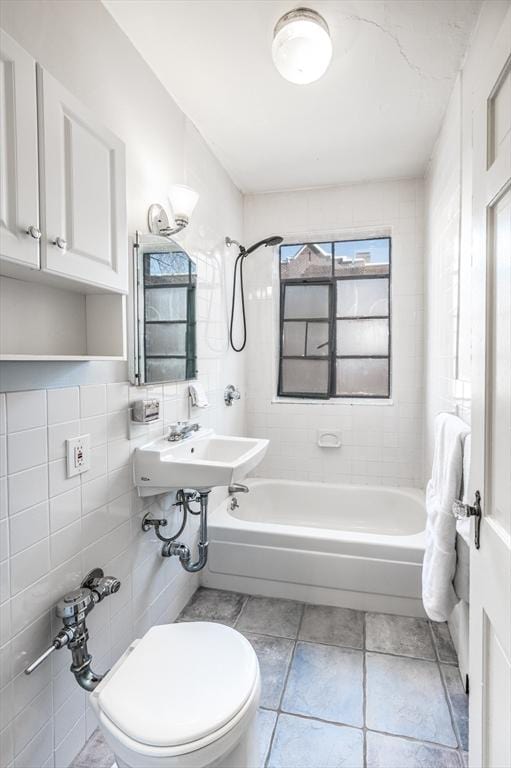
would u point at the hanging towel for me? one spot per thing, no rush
(438, 595)
(198, 395)
(462, 575)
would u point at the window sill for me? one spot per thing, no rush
(332, 401)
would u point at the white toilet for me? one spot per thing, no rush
(185, 695)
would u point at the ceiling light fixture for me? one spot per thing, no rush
(301, 47)
(183, 200)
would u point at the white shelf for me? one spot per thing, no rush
(45, 323)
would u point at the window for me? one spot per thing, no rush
(335, 319)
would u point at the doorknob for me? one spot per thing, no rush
(60, 243)
(461, 511)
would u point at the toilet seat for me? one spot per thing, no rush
(179, 688)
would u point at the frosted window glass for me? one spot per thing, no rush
(362, 297)
(306, 260)
(305, 376)
(306, 301)
(166, 369)
(362, 337)
(293, 342)
(362, 377)
(165, 339)
(166, 303)
(317, 340)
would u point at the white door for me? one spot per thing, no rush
(490, 577)
(19, 207)
(83, 191)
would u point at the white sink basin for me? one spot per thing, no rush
(203, 460)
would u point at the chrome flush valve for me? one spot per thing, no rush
(73, 609)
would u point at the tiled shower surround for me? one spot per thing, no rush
(341, 687)
(381, 440)
(53, 531)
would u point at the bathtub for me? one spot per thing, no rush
(347, 545)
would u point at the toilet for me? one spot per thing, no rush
(183, 696)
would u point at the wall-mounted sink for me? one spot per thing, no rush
(203, 460)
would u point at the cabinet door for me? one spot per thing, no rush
(19, 209)
(83, 191)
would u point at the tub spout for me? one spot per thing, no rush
(238, 488)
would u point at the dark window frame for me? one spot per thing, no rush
(333, 358)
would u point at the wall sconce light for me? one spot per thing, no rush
(182, 202)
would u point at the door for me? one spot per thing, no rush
(490, 578)
(83, 189)
(19, 207)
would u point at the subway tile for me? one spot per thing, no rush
(98, 464)
(4, 539)
(38, 751)
(6, 746)
(4, 504)
(65, 509)
(92, 400)
(94, 494)
(65, 543)
(3, 414)
(96, 428)
(59, 482)
(29, 566)
(67, 750)
(28, 488)
(26, 410)
(69, 714)
(117, 397)
(3, 455)
(63, 405)
(57, 436)
(118, 454)
(28, 527)
(33, 717)
(5, 580)
(117, 425)
(26, 449)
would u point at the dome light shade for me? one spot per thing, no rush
(302, 48)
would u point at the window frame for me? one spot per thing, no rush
(332, 281)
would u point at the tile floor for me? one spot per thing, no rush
(341, 687)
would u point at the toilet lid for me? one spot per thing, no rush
(180, 683)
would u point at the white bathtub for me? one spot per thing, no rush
(355, 546)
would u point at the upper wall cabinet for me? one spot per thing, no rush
(19, 207)
(83, 212)
(52, 144)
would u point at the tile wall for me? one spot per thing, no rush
(381, 441)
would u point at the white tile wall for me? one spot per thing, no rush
(381, 443)
(53, 530)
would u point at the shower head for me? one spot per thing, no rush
(274, 240)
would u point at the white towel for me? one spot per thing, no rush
(463, 526)
(198, 395)
(439, 565)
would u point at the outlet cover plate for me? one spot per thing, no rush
(78, 455)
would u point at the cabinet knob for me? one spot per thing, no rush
(60, 243)
(34, 232)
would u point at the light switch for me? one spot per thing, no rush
(78, 455)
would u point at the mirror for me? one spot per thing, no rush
(165, 282)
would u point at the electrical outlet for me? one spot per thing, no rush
(78, 455)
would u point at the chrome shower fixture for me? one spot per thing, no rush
(243, 252)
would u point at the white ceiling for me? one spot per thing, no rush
(375, 114)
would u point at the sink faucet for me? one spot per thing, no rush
(182, 429)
